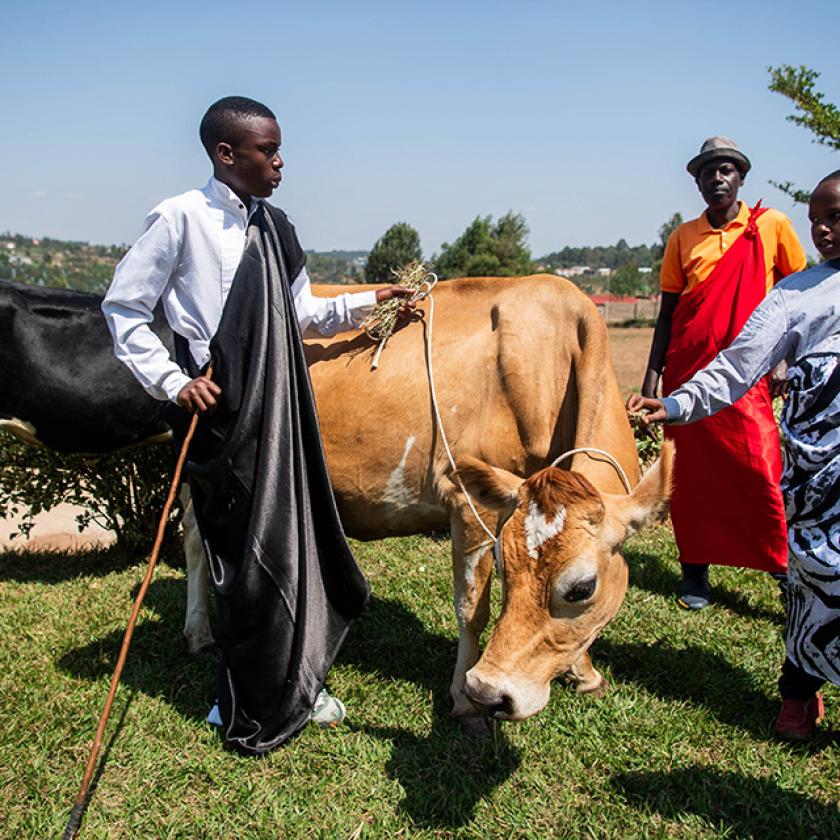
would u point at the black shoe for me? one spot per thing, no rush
(695, 592)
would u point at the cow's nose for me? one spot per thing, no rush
(484, 694)
(503, 707)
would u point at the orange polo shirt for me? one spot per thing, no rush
(695, 247)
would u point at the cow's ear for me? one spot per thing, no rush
(648, 503)
(493, 488)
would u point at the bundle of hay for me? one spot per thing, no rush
(382, 322)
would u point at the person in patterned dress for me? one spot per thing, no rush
(798, 322)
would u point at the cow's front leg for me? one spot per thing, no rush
(196, 624)
(472, 563)
(586, 678)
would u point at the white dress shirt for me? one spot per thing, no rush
(187, 258)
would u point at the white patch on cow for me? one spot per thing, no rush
(539, 529)
(397, 493)
(471, 564)
(454, 409)
(21, 429)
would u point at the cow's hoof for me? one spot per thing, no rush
(477, 726)
(596, 691)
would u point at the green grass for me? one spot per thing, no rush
(680, 747)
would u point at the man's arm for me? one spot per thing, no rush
(128, 307)
(790, 255)
(659, 344)
(671, 283)
(331, 315)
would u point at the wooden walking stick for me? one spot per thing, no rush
(75, 821)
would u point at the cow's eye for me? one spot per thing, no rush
(582, 590)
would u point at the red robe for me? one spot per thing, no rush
(726, 505)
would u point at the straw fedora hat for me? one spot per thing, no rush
(716, 148)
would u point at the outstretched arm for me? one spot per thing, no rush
(331, 315)
(762, 343)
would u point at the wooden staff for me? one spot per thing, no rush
(75, 821)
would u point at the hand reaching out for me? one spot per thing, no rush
(654, 407)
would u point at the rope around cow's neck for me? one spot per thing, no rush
(425, 292)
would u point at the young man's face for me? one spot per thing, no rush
(251, 167)
(719, 182)
(824, 213)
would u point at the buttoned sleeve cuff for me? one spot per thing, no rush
(363, 300)
(173, 384)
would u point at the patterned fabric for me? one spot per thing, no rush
(811, 488)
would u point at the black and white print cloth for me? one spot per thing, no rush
(811, 488)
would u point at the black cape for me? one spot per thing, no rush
(287, 586)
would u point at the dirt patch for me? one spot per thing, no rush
(55, 530)
(629, 347)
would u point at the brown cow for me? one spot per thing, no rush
(564, 578)
(523, 374)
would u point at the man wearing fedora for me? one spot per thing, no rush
(726, 506)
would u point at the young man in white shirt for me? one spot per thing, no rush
(189, 252)
(186, 259)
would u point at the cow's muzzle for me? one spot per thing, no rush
(489, 698)
(505, 699)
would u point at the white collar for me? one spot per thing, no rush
(225, 195)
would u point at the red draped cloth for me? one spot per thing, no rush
(726, 505)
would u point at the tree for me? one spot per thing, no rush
(399, 246)
(821, 118)
(485, 249)
(665, 233)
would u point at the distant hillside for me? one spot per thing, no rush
(603, 256)
(61, 264)
(336, 266)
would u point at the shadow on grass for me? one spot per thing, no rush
(652, 573)
(740, 805)
(58, 566)
(157, 663)
(444, 774)
(693, 674)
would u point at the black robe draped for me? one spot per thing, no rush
(287, 586)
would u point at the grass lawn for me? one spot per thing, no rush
(679, 748)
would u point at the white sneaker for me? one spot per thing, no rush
(328, 710)
(214, 717)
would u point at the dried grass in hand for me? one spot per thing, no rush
(381, 322)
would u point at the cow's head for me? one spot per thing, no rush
(562, 574)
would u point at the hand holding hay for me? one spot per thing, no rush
(417, 282)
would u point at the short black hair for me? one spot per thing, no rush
(832, 176)
(223, 120)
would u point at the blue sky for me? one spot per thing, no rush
(579, 115)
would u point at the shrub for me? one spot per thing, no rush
(648, 438)
(123, 492)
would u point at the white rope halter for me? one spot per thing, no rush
(425, 291)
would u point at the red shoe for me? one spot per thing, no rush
(798, 719)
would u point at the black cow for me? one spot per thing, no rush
(60, 382)
(62, 386)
